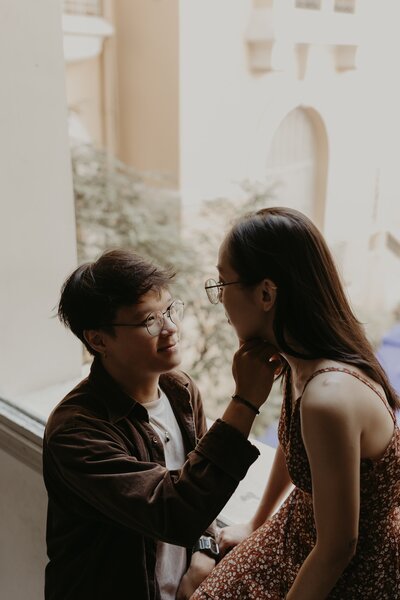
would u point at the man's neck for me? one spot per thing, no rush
(142, 388)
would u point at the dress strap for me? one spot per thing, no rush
(357, 376)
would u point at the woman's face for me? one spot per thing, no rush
(243, 305)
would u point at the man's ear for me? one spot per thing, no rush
(95, 339)
(269, 291)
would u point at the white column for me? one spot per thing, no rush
(37, 224)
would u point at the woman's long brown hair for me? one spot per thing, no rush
(284, 245)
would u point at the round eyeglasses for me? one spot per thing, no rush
(154, 322)
(214, 289)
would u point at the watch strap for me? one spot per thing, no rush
(207, 545)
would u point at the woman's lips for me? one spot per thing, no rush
(227, 318)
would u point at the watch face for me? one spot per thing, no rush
(208, 545)
(214, 546)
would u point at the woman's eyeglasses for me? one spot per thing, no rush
(214, 289)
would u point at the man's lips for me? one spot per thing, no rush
(170, 346)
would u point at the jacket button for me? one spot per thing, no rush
(155, 441)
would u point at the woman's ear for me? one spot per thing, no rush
(269, 291)
(95, 339)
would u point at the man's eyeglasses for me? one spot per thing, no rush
(214, 289)
(154, 322)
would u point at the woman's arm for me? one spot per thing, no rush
(277, 486)
(331, 434)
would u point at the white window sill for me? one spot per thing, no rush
(21, 435)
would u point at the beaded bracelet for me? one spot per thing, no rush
(246, 403)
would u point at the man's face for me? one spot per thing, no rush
(134, 348)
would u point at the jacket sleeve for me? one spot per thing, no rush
(201, 430)
(95, 471)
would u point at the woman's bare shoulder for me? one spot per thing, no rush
(341, 394)
(335, 392)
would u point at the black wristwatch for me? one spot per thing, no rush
(207, 545)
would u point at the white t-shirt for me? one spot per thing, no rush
(171, 560)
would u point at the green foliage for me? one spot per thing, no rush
(117, 207)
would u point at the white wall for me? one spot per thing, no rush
(23, 505)
(37, 226)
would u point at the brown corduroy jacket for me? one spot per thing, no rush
(110, 496)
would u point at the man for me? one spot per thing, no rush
(133, 479)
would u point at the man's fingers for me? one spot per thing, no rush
(245, 345)
(277, 363)
(264, 352)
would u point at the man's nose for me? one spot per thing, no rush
(169, 326)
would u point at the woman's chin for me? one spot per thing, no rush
(246, 336)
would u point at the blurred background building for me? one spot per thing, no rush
(298, 92)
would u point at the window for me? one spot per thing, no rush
(297, 162)
(83, 7)
(310, 4)
(345, 6)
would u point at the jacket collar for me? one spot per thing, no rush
(119, 405)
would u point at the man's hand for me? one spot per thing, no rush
(200, 566)
(254, 367)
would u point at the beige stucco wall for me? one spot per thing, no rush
(147, 47)
(229, 115)
(23, 503)
(85, 96)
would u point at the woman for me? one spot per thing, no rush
(337, 534)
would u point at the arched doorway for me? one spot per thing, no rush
(298, 162)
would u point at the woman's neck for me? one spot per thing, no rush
(303, 369)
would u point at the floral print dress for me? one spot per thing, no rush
(265, 565)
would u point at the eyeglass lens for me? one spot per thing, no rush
(213, 291)
(155, 321)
